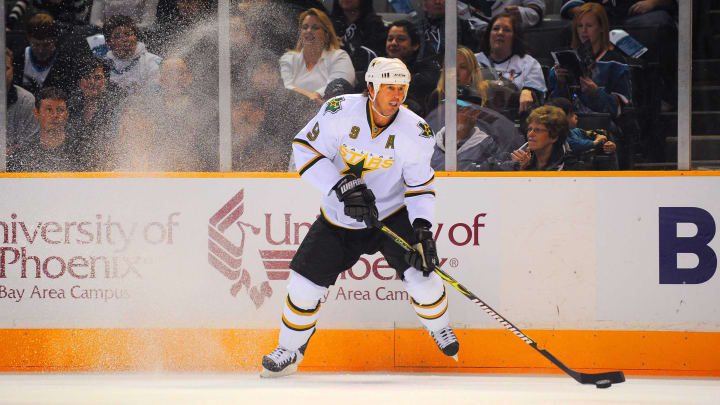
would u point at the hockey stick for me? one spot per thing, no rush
(601, 380)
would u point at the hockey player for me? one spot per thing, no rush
(370, 157)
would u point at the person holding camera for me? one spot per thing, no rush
(605, 85)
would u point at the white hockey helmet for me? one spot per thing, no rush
(387, 71)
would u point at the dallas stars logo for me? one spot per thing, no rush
(427, 132)
(334, 105)
(358, 169)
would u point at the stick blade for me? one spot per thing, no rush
(614, 377)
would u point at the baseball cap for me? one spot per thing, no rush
(467, 96)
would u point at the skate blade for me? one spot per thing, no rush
(291, 369)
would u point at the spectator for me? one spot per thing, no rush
(173, 131)
(468, 74)
(92, 113)
(165, 37)
(134, 69)
(192, 35)
(317, 59)
(503, 132)
(143, 11)
(362, 32)
(653, 15)
(628, 12)
(71, 12)
(474, 146)
(432, 29)
(250, 151)
(22, 126)
(52, 150)
(272, 24)
(403, 42)
(586, 144)
(50, 60)
(528, 12)
(546, 146)
(504, 57)
(609, 89)
(266, 117)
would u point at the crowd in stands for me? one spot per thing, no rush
(132, 85)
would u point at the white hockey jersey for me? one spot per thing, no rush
(394, 162)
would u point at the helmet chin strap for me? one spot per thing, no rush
(372, 104)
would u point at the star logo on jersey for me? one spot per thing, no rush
(357, 169)
(427, 132)
(334, 105)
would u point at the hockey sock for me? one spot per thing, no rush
(428, 299)
(297, 324)
(300, 312)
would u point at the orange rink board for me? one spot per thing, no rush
(399, 350)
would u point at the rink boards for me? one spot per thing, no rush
(188, 272)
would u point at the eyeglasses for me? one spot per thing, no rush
(537, 129)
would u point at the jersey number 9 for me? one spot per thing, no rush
(315, 132)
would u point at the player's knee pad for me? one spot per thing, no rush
(304, 293)
(424, 290)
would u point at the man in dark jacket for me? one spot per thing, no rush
(432, 29)
(22, 126)
(51, 58)
(361, 31)
(403, 42)
(53, 150)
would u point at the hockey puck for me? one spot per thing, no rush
(603, 384)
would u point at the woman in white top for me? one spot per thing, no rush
(504, 56)
(317, 59)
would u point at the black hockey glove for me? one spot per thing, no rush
(424, 257)
(358, 199)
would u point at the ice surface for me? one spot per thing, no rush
(325, 388)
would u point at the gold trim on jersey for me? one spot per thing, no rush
(424, 184)
(417, 193)
(306, 144)
(309, 164)
(375, 131)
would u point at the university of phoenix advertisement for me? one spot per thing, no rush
(215, 253)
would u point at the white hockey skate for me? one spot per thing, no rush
(447, 342)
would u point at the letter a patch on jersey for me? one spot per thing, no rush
(427, 132)
(334, 105)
